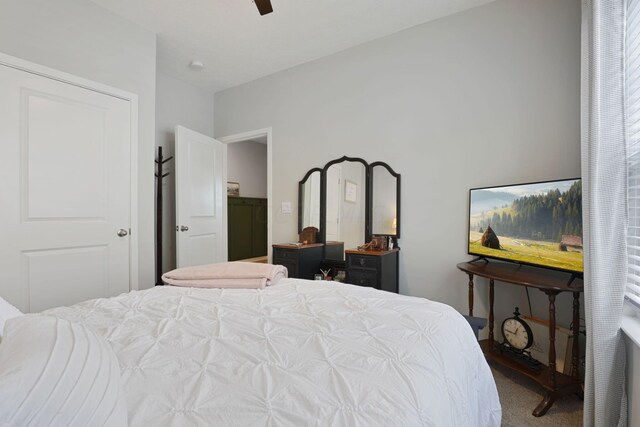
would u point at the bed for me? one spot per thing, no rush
(295, 354)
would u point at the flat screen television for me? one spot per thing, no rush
(536, 224)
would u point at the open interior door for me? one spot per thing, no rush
(201, 199)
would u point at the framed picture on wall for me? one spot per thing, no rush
(350, 191)
(233, 189)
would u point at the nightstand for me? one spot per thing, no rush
(376, 269)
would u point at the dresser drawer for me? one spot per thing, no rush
(363, 277)
(285, 254)
(362, 261)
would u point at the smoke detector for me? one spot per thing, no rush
(196, 65)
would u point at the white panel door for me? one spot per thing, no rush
(334, 204)
(65, 192)
(200, 198)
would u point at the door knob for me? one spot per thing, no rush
(184, 228)
(122, 232)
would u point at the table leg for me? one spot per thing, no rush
(547, 402)
(550, 397)
(491, 283)
(552, 339)
(575, 351)
(470, 295)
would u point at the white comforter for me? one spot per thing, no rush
(296, 354)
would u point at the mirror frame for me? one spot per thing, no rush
(370, 189)
(300, 190)
(322, 234)
(323, 197)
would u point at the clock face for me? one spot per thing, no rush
(517, 333)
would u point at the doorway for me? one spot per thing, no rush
(248, 207)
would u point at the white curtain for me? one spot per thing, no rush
(604, 175)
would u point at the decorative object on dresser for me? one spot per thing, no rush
(337, 269)
(247, 227)
(302, 261)
(551, 283)
(376, 269)
(379, 243)
(308, 235)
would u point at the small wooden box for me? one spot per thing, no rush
(308, 236)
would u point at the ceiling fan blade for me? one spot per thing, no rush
(264, 6)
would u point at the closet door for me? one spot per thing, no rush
(65, 192)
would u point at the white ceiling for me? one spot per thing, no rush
(238, 45)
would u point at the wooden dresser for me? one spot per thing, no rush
(376, 269)
(302, 261)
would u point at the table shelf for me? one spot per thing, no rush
(541, 376)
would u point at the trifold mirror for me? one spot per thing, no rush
(344, 202)
(309, 200)
(349, 201)
(385, 200)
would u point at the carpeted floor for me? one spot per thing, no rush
(519, 396)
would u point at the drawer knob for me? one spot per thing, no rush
(361, 261)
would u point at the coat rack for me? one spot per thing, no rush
(160, 176)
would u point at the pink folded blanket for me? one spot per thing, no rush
(236, 275)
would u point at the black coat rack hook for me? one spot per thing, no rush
(160, 161)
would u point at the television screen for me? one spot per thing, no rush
(538, 224)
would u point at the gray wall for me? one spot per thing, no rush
(81, 38)
(177, 103)
(484, 97)
(247, 164)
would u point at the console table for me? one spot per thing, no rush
(551, 283)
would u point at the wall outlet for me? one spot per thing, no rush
(285, 208)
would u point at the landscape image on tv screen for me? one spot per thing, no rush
(538, 224)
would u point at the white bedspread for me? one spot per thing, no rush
(296, 354)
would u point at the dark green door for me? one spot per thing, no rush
(240, 233)
(260, 228)
(247, 227)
